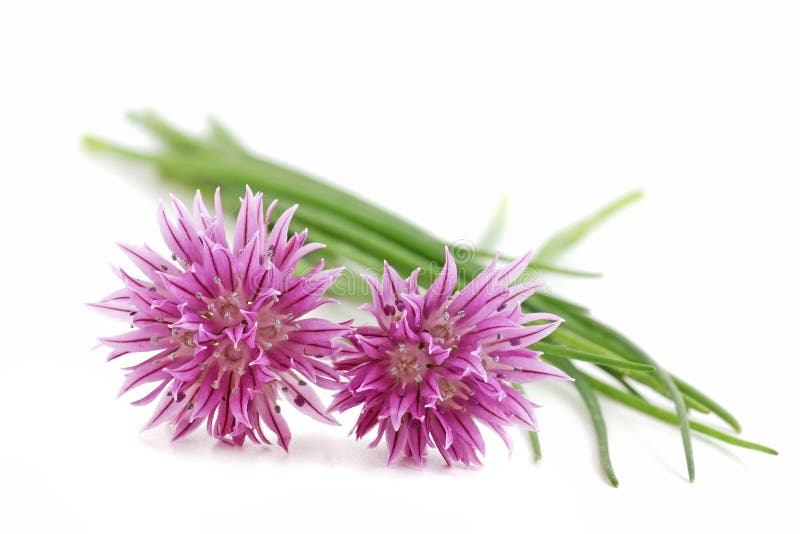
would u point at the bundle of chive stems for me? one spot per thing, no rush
(361, 235)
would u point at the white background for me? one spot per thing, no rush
(436, 111)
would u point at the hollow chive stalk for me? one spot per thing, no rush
(598, 421)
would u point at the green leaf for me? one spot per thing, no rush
(496, 227)
(566, 352)
(619, 377)
(656, 385)
(590, 399)
(166, 133)
(536, 447)
(571, 235)
(224, 139)
(645, 407)
(604, 336)
(538, 266)
(715, 408)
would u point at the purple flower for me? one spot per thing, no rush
(438, 363)
(226, 323)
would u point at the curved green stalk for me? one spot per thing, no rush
(590, 399)
(600, 334)
(569, 236)
(715, 408)
(536, 446)
(643, 406)
(564, 352)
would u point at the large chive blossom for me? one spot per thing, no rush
(437, 363)
(226, 323)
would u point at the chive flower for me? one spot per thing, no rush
(226, 323)
(438, 363)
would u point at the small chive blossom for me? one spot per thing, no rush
(438, 362)
(226, 323)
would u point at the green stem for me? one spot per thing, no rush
(715, 408)
(600, 334)
(326, 196)
(564, 352)
(645, 407)
(536, 447)
(590, 399)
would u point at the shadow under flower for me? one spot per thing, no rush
(331, 451)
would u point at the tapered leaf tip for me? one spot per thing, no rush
(91, 142)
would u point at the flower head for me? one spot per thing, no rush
(226, 323)
(437, 363)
